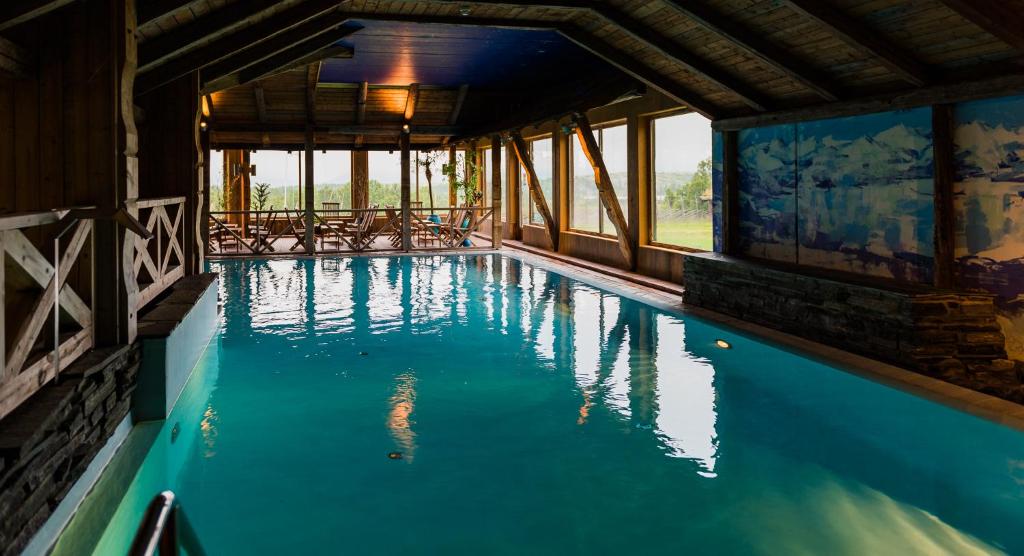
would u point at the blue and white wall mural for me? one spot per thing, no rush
(716, 189)
(989, 197)
(850, 194)
(864, 194)
(767, 196)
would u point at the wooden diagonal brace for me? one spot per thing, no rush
(604, 185)
(523, 154)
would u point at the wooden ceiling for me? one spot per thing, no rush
(736, 61)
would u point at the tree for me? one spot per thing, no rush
(260, 195)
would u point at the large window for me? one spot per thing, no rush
(385, 178)
(540, 154)
(681, 181)
(586, 210)
(332, 174)
(504, 183)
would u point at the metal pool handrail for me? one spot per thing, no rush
(164, 529)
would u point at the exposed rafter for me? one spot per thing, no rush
(370, 129)
(643, 73)
(158, 72)
(410, 101)
(750, 42)
(682, 56)
(15, 61)
(460, 100)
(254, 53)
(15, 12)
(212, 26)
(864, 40)
(268, 59)
(149, 10)
(995, 17)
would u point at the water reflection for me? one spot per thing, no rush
(631, 365)
(402, 403)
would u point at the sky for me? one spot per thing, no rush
(681, 141)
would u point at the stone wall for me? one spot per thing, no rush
(950, 335)
(46, 444)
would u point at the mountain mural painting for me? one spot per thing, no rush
(989, 200)
(767, 196)
(864, 194)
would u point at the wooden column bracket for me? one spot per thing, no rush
(533, 182)
(603, 180)
(496, 228)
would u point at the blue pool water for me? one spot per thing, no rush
(535, 414)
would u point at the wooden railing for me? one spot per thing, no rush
(160, 261)
(35, 290)
(255, 232)
(448, 228)
(338, 230)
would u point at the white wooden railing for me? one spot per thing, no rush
(160, 261)
(30, 297)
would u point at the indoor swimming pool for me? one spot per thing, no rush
(483, 405)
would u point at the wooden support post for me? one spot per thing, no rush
(638, 183)
(403, 141)
(730, 192)
(606, 192)
(563, 171)
(496, 227)
(453, 195)
(557, 201)
(113, 138)
(310, 247)
(360, 179)
(942, 142)
(512, 197)
(204, 218)
(533, 182)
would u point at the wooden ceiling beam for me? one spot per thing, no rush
(16, 12)
(682, 56)
(15, 61)
(369, 129)
(312, 78)
(147, 11)
(995, 17)
(214, 25)
(252, 54)
(153, 74)
(298, 54)
(410, 101)
(364, 91)
(864, 40)
(460, 100)
(641, 72)
(751, 42)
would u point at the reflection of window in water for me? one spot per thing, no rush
(686, 398)
(208, 427)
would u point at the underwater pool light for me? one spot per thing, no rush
(723, 344)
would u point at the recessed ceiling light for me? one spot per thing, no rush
(464, 10)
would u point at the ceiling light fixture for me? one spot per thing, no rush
(464, 10)
(405, 128)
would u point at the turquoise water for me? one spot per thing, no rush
(529, 413)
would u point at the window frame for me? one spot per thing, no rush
(652, 188)
(599, 135)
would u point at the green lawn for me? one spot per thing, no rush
(695, 234)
